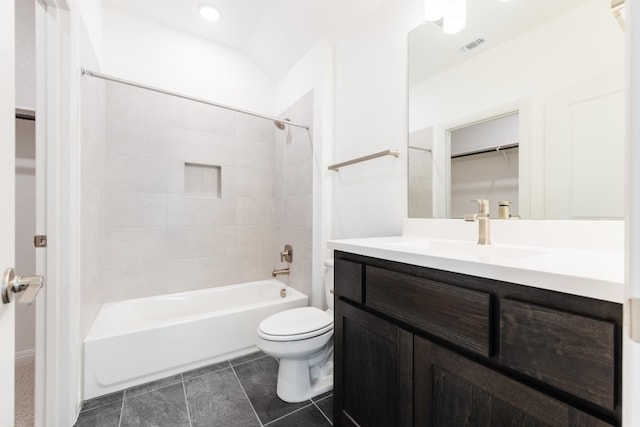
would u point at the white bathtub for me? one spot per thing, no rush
(135, 341)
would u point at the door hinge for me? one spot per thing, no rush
(40, 241)
(634, 308)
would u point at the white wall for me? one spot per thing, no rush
(371, 115)
(146, 52)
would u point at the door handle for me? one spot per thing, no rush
(12, 284)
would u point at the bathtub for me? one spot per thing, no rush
(135, 341)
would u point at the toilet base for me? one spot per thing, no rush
(302, 379)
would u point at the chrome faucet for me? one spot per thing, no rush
(280, 271)
(483, 221)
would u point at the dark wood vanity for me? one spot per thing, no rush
(415, 346)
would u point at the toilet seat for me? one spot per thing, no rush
(296, 324)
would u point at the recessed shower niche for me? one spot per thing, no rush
(202, 181)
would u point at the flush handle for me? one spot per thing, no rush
(12, 284)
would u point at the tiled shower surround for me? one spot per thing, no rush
(150, 231)
(240, 392)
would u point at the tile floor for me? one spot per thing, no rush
(240, 392)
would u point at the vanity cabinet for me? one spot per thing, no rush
(425, 347)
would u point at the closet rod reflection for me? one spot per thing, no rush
(490, 150)
(190, 98)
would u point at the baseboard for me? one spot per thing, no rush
(25, 355)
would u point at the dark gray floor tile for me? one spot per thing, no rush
(247, 358)
(102, 400)
(205, 370)
(154, 385)
(322, 396)
(259, 378)
(217, 399)
(326, 406)
(104, 416)
(165, 407)
(307, 417)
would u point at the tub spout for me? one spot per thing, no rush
(279, 272)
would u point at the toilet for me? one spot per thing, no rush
(302, 339)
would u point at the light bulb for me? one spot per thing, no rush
(209, 13)
(434, 9)
(455, 17)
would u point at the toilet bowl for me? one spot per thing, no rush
(302, 339)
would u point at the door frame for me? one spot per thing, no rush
(631, 350)
(58, 338)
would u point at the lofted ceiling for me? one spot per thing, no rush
(275, 34)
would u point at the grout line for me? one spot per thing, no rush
(322, 412)
(248, 361)
(290, 413)
(124, 393)
(206, 373)
(186, 401)
(247, 396)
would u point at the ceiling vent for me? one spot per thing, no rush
(472, 45)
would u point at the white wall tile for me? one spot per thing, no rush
(255, 182)
(184, 212)
(135, 138)
(200, 273)
(256, 211)
(135, 209)
(133, 103)
(298, 211)
(131, 174)
(135, 245)
(251, 153)
(298, 179)
(256, 128)
(91, 208)
(253, 240)
(126, 281)
(197, 116)
(200, 242)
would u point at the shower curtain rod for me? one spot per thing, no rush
(86, 72)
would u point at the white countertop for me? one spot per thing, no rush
(586, 270)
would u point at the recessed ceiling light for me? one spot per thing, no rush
(209, 13)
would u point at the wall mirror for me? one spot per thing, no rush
(525, 104)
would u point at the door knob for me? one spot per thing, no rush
(12, 284)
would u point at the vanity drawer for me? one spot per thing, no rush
(348, 280)
(460, 316)
(567, 351)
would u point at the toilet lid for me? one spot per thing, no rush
(308, 321)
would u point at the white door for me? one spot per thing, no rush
(585, 126)
(7, 211)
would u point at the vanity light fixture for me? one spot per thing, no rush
(455, 17)
(451, 13)
(434, 9)
(209, 12)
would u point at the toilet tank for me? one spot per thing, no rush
(328, 281)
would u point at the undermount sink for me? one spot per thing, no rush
(465, 248)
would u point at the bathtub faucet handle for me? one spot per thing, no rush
(287, 254)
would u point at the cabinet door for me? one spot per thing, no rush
(373, 370)
(451, 390)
